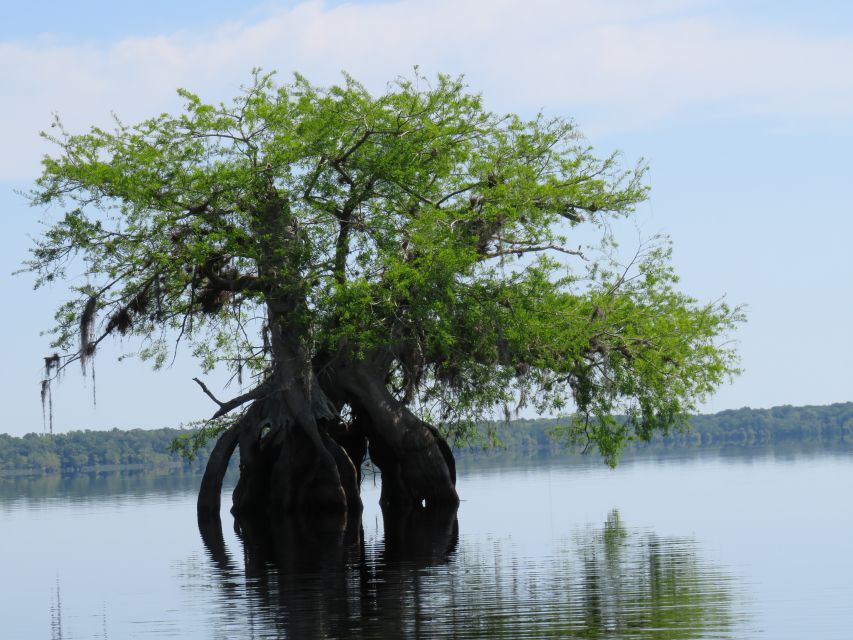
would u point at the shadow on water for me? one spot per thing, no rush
(309, 578)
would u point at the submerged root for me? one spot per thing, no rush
(294, 462)
(209, 494)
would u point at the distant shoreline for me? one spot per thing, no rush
(140, 449)
(107, 468)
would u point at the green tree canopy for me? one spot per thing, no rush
(408, 258)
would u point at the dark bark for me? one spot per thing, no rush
(416, 463)
(297, 456)
(350, 480)
(211, 482)
(284, 469)
(353, 440)
(305, 478)
(252, 490)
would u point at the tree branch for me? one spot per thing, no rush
(312, 182)
(519, 250)
(230, 405)
(457, 192)
(340, 160)
(245, 282)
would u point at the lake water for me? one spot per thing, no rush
(751, 545)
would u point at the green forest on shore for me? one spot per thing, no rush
(93, 451)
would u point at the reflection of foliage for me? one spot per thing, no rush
(608, 582)
(95, 487)
(643, 586)
(613, 537)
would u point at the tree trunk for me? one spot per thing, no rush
(283, 469)
(417, 465)
(211, 482)
(296, 455)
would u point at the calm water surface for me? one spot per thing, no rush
(747, 546)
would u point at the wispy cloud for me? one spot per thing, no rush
(624, 64)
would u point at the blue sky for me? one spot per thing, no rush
(743, 110)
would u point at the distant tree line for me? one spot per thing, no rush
(87, 450)
(739, 427)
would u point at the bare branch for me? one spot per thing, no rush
(457, 192)
(208, 392)
(520, 250)
(230, 405)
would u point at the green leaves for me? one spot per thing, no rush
(413, 228)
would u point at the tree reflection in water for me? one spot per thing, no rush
(318, 578)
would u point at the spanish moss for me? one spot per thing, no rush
(46, 399)
(94, 387)
(87, 325)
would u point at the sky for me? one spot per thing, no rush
(743, 111)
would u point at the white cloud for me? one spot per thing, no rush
(626, 64)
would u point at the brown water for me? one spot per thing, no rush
(754, 546)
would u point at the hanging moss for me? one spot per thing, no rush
(120, 320)
(51, 364)
(212, 299)
(46, 405)
(87, 325)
